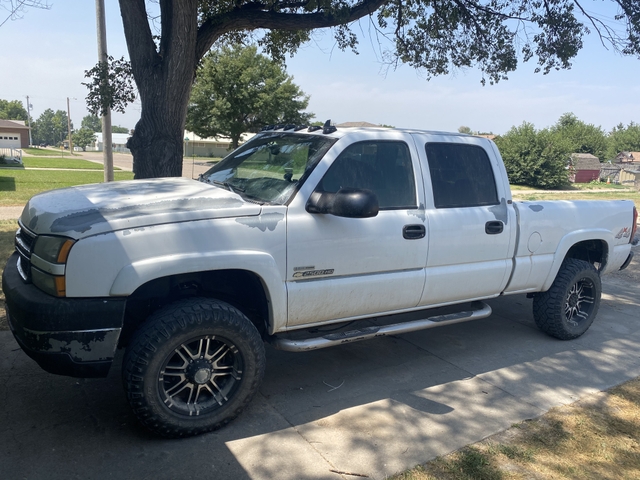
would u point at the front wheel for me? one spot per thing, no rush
(192, 367)
(568, 308)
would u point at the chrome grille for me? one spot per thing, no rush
(24, 246)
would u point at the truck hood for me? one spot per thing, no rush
(87, 210)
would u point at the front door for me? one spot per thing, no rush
(341, 268)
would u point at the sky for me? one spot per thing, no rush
(45, 53)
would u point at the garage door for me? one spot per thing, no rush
(9, 140)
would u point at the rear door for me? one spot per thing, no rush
(471, 221)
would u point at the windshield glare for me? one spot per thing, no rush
(270, 166)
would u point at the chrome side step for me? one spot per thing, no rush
(366, 333)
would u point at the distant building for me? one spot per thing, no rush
(356, 124)
(14, 134)
(118, 142)
(585, 168)
(193, 145)
(626, 157)
(490, 136)
(197, 146)
(628, 170)
(610, 172)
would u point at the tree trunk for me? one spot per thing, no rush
(156, 143)
(235, 140)
(164, 75)
(164, 72)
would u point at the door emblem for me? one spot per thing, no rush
(313, 273)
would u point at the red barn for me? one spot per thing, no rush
(586, 167)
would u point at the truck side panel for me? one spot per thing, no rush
(127, 259)
(548, 230)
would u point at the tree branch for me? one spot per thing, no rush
(248, 18)
(138, 33)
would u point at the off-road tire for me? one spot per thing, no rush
(192, 367)
(568, 308)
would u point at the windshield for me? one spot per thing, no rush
(269, 167)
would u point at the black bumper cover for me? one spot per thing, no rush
(66, 336)
(627, 261)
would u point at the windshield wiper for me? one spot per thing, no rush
(229, 185)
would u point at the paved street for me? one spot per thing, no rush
(370, 408)
(191, 167)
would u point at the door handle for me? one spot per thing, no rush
(414, 232)
(494, 227)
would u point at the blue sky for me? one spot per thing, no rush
(44, 55)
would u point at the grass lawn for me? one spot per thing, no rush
(48, 162)
(573, 187)
(18, 186)
(595, 438)
(44, 152)
(7, 234)
(587, 191)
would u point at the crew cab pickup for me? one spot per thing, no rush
(372, 231)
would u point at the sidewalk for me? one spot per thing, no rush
(11, 213)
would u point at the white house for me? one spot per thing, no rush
(118, 142)
(193, 144)
(13, 134)
(209, 147)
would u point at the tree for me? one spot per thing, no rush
(534, 158)
(581, 137)
(464, 129)
(50, 127)
(12, 110)
(92, 122)
(83, 137)
(435, 35)
(238, 90)
(623, 139)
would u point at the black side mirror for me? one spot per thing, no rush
(347, 202)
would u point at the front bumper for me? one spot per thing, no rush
(67, 336)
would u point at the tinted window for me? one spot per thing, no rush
(461, 175)
(383, 167)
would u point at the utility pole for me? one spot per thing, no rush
(69, 127)
(107, 141)
(29, 120)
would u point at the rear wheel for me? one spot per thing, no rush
(568, 308)
(192, 367)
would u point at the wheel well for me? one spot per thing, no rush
(592, 251)
(240, 288)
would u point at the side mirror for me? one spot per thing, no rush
(347, 202)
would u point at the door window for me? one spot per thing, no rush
(384, 167)
(461, 175)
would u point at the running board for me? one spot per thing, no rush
(366, 333)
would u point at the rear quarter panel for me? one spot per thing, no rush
(549, 229)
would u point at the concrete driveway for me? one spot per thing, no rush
(368, 409)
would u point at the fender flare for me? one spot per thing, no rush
(136, 274)
(569, 241)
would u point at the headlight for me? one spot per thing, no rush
(48, 264)
(53, 249)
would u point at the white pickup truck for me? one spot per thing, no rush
(372, 231)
